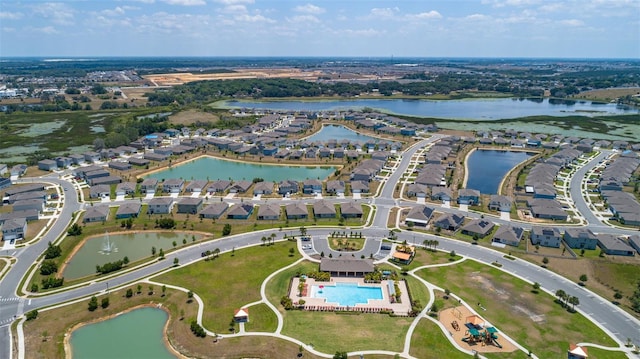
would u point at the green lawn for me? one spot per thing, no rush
(425, 257)
(605, 354)
(229, 282)
(261, 319)
(428, 342)
(418, 290)
(512, 308)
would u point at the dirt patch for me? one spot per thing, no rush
(456, 317)
(190, 117)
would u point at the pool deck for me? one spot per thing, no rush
(373, 306)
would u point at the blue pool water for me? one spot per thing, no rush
(346, 294)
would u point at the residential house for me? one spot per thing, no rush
(160, 205)
(128, 210)
(18, 170)
(419, 215)
(469, 196)
(214, 210)
(173, 185)
(218, 186)
(92, 157)
(31, 187)
(614, 245)
(546, 236)
(296, 210)
(311, 186)
(478, 228)
(34, 203)
(269, 212)
(288, 187)
(417, 190)
(13, 229)
(125, 188)
(634, 241)
(580, 238)
(500, 203)
(96, 214)
(5, 182)
(190, 205)
(351, 210)
(196, 186)
(336, 187)
(100, 191)
(149, 185)
(324, 209)
(26, 195)
(449, 221)
(509, 235)
(264, 187)
(359, 187)
(135, 161)
(240, 211)
(240, 186)
(105, 180)
(3, 168)
(441, 194)
(47, 165)
(120, 165)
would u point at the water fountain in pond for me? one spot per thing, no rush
(108, 247)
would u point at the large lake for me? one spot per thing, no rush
(212, 169)
(468, 109)
(487, 168)
(137, 334)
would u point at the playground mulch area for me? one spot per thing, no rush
(459, 314)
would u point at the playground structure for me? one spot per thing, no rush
(476, 333)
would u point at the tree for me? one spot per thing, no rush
(184, 241)
(174, 244)
(161, 254)
(48, 267)
(150, 289)
(153, 251)
(226, 230)
(93, 303)
(562, 295)
(617, 295)
(34, 287)
(176, 261)
(303, 231)
(74, 230)
(216, 252)
(125, 260)
(31, 315)
(573, 300)
(583, 278)
(164, 290)
(291, 252)
(545, 261)
(105, 303)
(52, 251)
(264, 240)
(340, 355)
(139, 288)
(129, 293)
(536, 287)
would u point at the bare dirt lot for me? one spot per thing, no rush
(185, 77)
(186, 118)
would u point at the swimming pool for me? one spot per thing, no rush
(346, 294)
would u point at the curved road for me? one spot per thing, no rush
(618, 323)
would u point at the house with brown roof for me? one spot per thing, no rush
(269, 211)
(240, 211)
(478, 227)
(264, 187)
(324, 209)
(351, 210)
(240, 187)
(296, 210)
(346, 267)
(509, 235)
(419, 215)
(335, 187)
(96, 214)
(214, 210)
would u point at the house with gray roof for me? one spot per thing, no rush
(29, 215)
(240, 186)
(614, 245)
(288, 187)
(125, 188)
(26, 195)
(96, 214)
(100, 191)
(449, 221)
(580, 238)
(149, 185)
(469, 196)
(359, 187)
(196, 186)
(218, 186)
(173, 185)
(311, 186)
(441, 194)
(478, 227)
(105, 180)
(296, 210)
(351, 210)
(190, 205)
(13, 229)
(128, 210)
(634, 241)
(419, 215)
(500, 203)
(264, 187)
(269, 212)
(509, 235)
(240, 211)
(324, 209)
(35, 203)
(417, 190)
(336, 187)
(18, 170)
(547, 209)
(47, 165)
(214, 210)
(120, 165)
(160, 205)
(546, 236)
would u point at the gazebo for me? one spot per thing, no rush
(241, 315)
(475, 320)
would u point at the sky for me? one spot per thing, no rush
(332, 28)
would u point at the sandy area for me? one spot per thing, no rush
(181, 78)
(459, 314)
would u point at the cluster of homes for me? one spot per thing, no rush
(575, 238)
(221, 210)
(27, 204)
(623, 205)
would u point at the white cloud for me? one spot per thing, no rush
(59, 13)
(186, 2)
(6, 15)
(362, 32)
(113, 12)
(235, 9)
(572, 22)
(233, 2)
(309, 9)
(145, 1)
(383, 12)
(425, 15)
(304, 19)
(253, 18)
(477, 17)
(45, 30)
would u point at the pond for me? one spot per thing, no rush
(210, 168)
(468, 109)
(487, 168)
(136, 334)
(113, 247)
(339, 133)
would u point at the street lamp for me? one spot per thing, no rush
(107, 287)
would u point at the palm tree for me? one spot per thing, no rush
(561, 294)
(427, 243)
(264, 240)
(216, 252)
(303, 231)
(435, 243)
(273, 238)
(574, 301)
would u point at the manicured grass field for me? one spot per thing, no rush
(533, 320)
(229, 282)
(261, 319)
(425, 257)
(428, 342)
